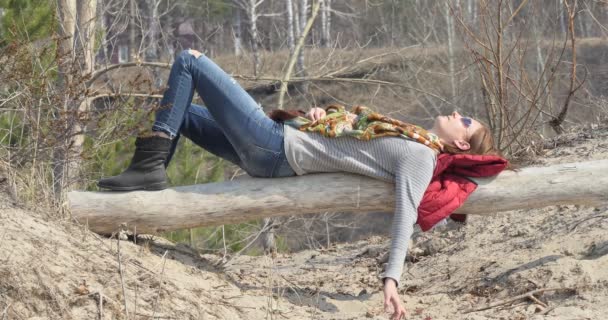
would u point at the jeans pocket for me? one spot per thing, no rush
(261, 162)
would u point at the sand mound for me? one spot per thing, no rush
(55, 269)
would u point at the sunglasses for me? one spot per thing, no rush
(466, 122)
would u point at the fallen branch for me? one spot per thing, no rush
(573, 228)
(122, 282)
(160, 285)
(584, 183)
(529, 295)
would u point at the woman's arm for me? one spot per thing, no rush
(412, 177)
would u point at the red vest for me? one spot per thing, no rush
(449, 188)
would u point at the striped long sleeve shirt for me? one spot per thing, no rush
(407, 164)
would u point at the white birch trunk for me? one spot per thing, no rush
(85, 34)
(291, 42)
(300, 70)
(133, 52)
(584, 183)
(328, 22)
(325, 12)
(475, 6)
(450, 31)
(540, 63)
(253, 20)
(154, 32)
(102, 24)
(296, 19)
(237, 32)
(562, 18)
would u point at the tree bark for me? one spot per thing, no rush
(298, 49)
(133, 52)
(300, 69)
(450, 32)
(237, 31)
(210, 204)
(66, 13)
(253, 25)
(152, 52)
(75, 51)
(291, 42)
(325, 13)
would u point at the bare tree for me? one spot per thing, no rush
(251, 7)
(325, 23)
(515, 96)
(237, 32)
(303, 10)
(450, 35)
(75, 50)
(152, 39)
(291, 43)
(132, 29)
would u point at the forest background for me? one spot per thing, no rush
(80, 79)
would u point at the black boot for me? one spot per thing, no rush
(147, 169)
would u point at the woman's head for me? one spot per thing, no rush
(463, 135)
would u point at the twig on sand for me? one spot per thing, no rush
(155, 317)
(544, 312)
(528, 295)
(538, 302)
(5, 312)
(100, 306)
(232, 305)
(122, 283)
(600, 216)
(160, 284)
(100, 299)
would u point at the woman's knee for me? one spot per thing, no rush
(188, 53)
(184, 57)
(197, 54)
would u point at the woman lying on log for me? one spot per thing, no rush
(285, 144)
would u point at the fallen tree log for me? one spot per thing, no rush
(210, 204)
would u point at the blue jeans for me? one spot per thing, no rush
(231, 125)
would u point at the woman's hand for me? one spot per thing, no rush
(195, 53)
(391, 298)
(315, 113)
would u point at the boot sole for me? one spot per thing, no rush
(149, 187)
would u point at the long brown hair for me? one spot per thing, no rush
(482, 143)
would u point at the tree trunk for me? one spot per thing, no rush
(562, 18)
(185, 207)
(296, 18)
(66, 13)
(450, 31)
(133, 51)
(328, 22)
(291, 42)
(325, 12)
(237, 32)
(75, 49)
(300, 70)
(253, 20)
(102, 24)
(154, 32)
(85, 34)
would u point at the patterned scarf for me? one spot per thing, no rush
(364, 124)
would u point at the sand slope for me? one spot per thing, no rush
(54, 269)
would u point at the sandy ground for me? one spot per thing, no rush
(56, 269)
